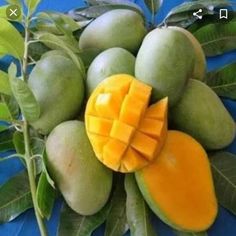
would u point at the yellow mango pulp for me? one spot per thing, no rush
(125, 133)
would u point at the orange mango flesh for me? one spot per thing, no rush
(125, 133)
(178, 185)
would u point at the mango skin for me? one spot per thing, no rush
(83, 181)
(201, 114)
(200, 64)
(58, 87)
(117, 28)
(110, 62)
(165, 61)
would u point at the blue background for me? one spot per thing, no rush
(25, 225)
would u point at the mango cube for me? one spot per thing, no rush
(100, 126)
(122, 131)
(106, 106)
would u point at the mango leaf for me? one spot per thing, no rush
(24, 96)
(223, 165)
(137, 210)
(32, 5)
(88, 55)
(11, 41)
(6, 140)
(63, 23)
(12, 2)
(15, 197)
(217, 38)
(116, 224)
(4, 84)
(94, 11)
(69, 49)
(12, 105)
(182, 15)
(73, 224)
(223, 81)
(36, 50)
(18, 141)
(3, 127)
(5, 114)
(180, 233)
(153, 5)
(45, 196)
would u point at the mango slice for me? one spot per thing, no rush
(178, 184)
(125, 133)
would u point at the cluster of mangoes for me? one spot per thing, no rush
(130, 88)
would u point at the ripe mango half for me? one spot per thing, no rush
(178, 184)
(125, 133)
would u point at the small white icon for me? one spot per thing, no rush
(223, 13)
(13, 12)
(197, 14)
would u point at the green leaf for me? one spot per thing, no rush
(12, 106)
(180, 233)
(153, 5)
(11, 41)
(218, 38)
(116, 224)
(4, 112)
(137, 210)
(18, 141)
(14, 2)
(92, 12)
(63, 23)
(182, 15)
(223, 81)
(6, 142)
(36, 50)
(223, 165)
(3, 127)
(74, 224)
(4, 84)
(69, 49)
(15, 197)
(88, 55)
(24, 96)
(45, 196)
(32, 5)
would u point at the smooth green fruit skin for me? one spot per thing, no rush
(200, 66)
(201, 114)
(117, 28)
(59, 88)
(165, 61)
(109, 62)
(84, 182)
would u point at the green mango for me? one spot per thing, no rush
(58, 86)
(165, 61)
(201, 114)
(117, 28)
(109, 62)
(84, 182)
(200, 64)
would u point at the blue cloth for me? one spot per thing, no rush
(25, 225)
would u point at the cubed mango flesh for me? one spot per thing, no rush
(125, 133)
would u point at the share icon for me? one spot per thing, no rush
(197, 14)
